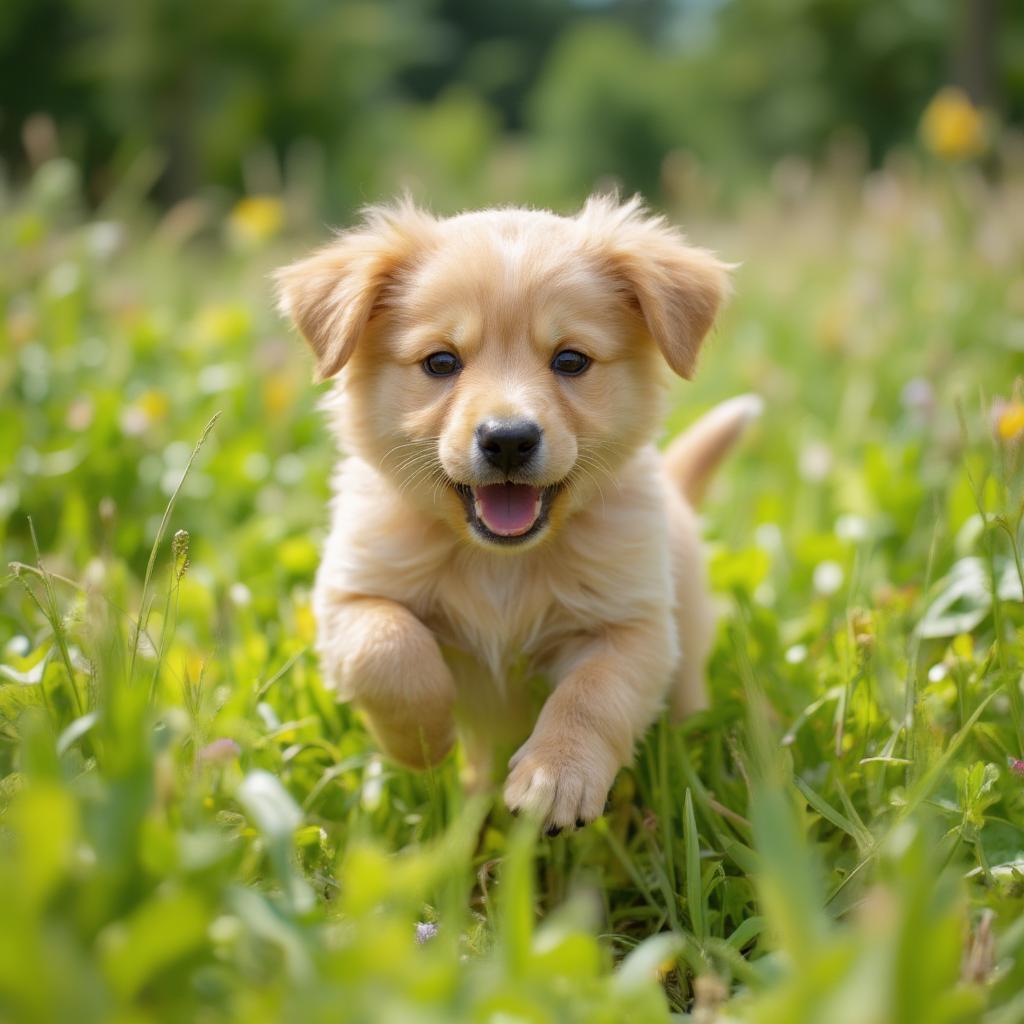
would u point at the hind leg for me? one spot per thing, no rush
(694, 615)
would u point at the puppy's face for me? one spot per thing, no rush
(500, 366)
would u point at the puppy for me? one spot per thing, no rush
(501, 510)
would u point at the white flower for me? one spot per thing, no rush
(852, 528)
(768, 537)
(105, 238)
(63, 279)
(828, 578)
(796, 654)
(17, 647)
(815, 461)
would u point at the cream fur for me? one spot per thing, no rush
(426, 625)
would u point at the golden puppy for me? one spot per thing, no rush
(501, 510)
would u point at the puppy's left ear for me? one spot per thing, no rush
(677, 287)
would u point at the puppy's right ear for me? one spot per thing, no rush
(332, 295)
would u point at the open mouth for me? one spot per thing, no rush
(506, 513)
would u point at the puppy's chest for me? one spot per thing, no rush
(502, 611)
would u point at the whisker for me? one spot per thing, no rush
(407, 444)
(593, 479)
(599, 469)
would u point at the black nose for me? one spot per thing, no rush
(508, 444)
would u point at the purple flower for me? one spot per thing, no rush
(917, 396)
(1017, 767)
(220, 751)
(425, 931)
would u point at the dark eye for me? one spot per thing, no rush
(570, 363)
(442, 364)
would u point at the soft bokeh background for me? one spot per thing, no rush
(337, 103)
(190, 827)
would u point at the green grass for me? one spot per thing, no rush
(191, 829)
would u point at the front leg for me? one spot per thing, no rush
(608, 691)
(377, 654)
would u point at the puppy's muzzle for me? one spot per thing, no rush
(508, 445)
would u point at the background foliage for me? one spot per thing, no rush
(191, 829)
(468, 102)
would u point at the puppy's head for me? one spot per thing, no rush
(500, 366)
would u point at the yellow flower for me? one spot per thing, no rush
(154, 404)
(278, 393)
(963, 646)
(256, 219)
(305, 623)
(221, 324)
(1010, 421)
(150, 407)
(952, 126)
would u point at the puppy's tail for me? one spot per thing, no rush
(692, 457)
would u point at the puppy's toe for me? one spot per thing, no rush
(559, 788)
(531, 790)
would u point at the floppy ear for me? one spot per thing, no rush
(332, 295)
(677, 288)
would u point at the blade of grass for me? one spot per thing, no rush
(860, 836)
(144, 608)
(694, 886)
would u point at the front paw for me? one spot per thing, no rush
(561, 781)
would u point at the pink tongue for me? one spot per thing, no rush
(507, 509)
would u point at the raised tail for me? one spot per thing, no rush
(692, 457)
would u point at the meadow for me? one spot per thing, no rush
(191, 829)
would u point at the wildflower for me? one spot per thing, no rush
(815, 461)
(107, 510)
(256, 219)
(18, 646)
(709, 992)
(1017, 767)
(768, 537)
(952, 126)
(105, 238)
(150, 407)
(80, 414)
(852, 528)
(918, 397)
(278, 394)
(796, 654)
(305, 623)
(863, 625)
(64, 279)
(219, 751)
(1008, 419)
(828, 577)
(221, 324)
(425, 931)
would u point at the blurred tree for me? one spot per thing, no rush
(205, 82)
(441, 92)
(603, 109)
(495, 49)
(975, 54)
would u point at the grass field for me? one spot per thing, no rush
(192, 830)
